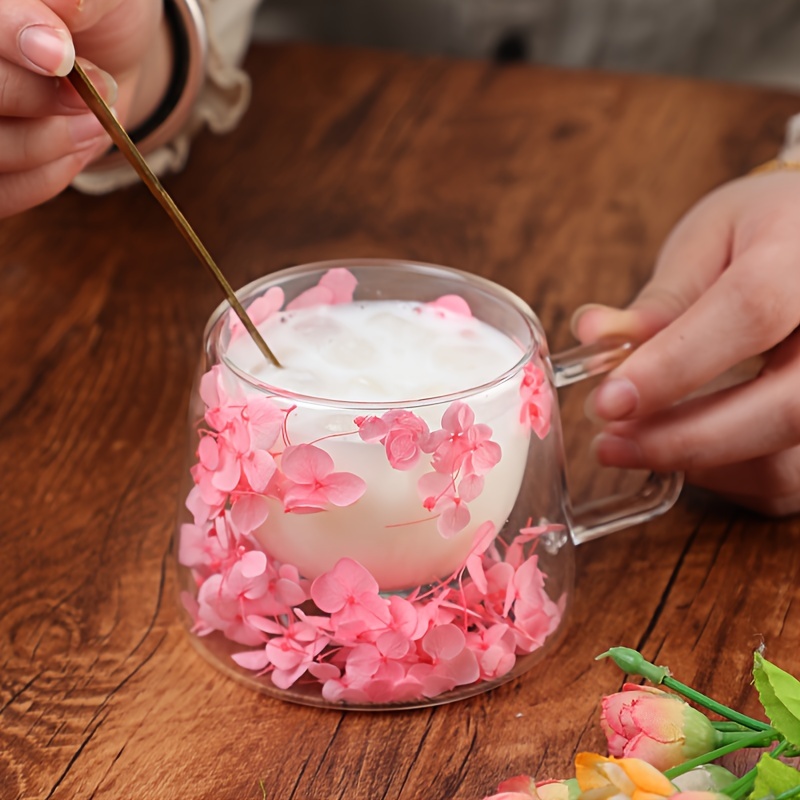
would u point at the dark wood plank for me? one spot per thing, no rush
(560, 185)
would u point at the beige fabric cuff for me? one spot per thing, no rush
(791, 145)
(216, 93)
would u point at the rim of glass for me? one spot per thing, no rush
(214, 328)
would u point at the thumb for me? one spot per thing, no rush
(692, 258)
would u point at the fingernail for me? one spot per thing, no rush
(615, 398)
(102, 81)
(615, 451)
(49, 50)
(84, 128)
(589, 410)
(579, 312)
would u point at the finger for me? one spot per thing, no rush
(85, 14)
(749, 421)
(769, 485)
(34, 37)
(22, 190)
(741, 315)
(24, 94)
(691, 260)
(28, 144)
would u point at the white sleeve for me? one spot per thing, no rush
(222, 97)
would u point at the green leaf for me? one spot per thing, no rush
(779, 693)
(773, 777)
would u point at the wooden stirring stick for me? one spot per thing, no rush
(99, 107)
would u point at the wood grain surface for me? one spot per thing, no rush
(559, 185)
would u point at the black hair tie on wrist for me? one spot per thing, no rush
(180, 73)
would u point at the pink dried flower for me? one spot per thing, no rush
(260, 310)
(334, 287)
(400, 432)
(453, 303)
(461, 444)
(311, 485)
(537, 400)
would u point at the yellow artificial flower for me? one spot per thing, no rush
(602, 778)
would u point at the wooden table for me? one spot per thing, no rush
(560, 185)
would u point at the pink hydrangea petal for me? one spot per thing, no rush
(343, 488)
(324, 672)
(444, 642)
(265, 420)
(363, 661)
(284, 679)
(371, 429)
(331, 590)
(283, 654)
(262, 308)
(404, 616)
(483, 538)
(315, 296)
(341, 283)
(252, 659)
(475, 569)
(259, 467)
(228, 473)
(249, 512)
(458, 417)
(453, 303)
(266, 625)
(470, 487)
(289, 592)
(306, 463)
(453, 519)
(199, 509)
(253, 563)
(462, 669)
(432, 485)
(209, 387)
(208, 452)
(393, 644)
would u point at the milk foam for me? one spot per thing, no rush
(385, 352)
(377, 350)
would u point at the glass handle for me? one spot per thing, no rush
(659, 491)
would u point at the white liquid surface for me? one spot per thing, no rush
(386, 352)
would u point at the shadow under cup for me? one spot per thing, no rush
(395, 546)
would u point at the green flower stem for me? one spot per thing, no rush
(724, 726)
(741, 787)
(755, 739)
(713, 705)
(724, 738)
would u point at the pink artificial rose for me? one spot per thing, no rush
(523, 787)
(654, 726)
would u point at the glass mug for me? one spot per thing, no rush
(384, 523)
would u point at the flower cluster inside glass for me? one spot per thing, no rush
(378, 521)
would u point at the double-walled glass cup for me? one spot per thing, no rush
(352, 548)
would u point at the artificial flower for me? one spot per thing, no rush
(706, 778)
(612, 778)
(658, 727)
